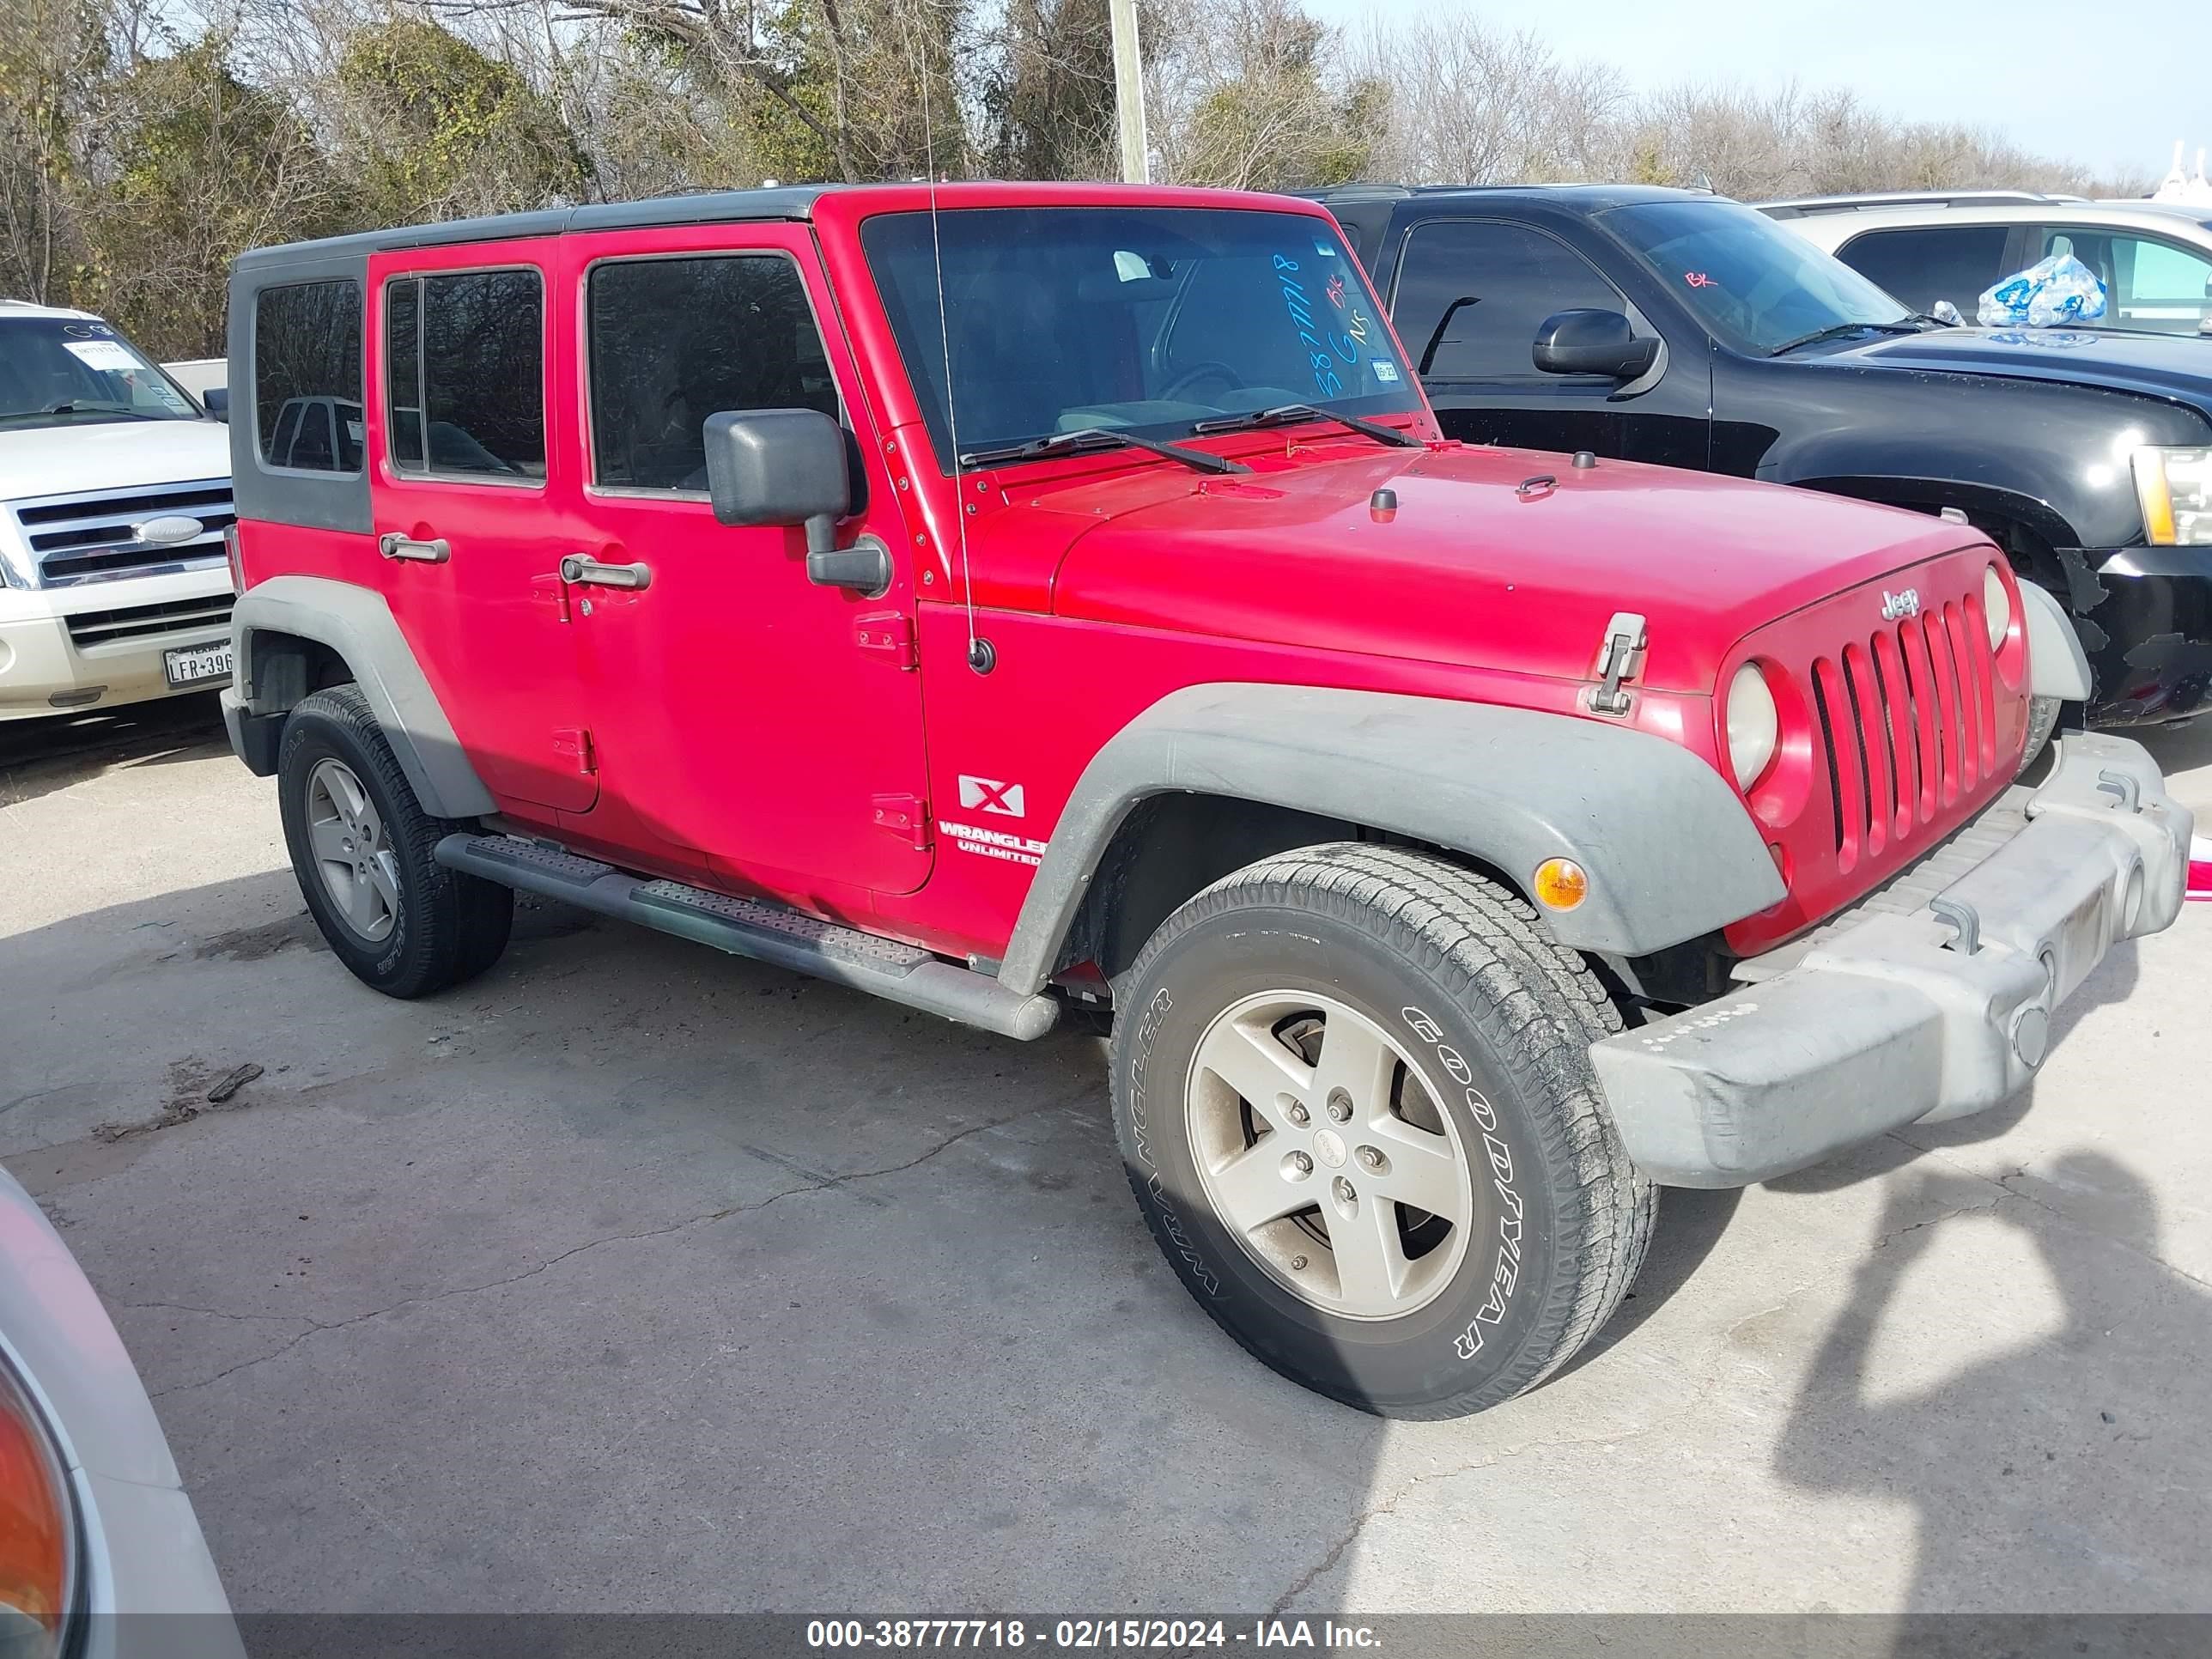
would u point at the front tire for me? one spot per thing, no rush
(360, 846)
(1353, 1096)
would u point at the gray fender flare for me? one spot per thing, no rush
(356, 622)
(2057, 666)
(1671, 850)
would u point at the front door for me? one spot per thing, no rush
(745, 720)
(467, 464)
(1468, 297)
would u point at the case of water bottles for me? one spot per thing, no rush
(2049, 294)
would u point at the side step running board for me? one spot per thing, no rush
(752, 927)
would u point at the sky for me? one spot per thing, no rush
(2073, 81)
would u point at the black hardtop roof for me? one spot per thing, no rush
(697, 208)
(1588, 198)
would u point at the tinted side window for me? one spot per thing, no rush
(1919, 267)
(479, 338)
(1511, 278)
(306, 344)
(673, 341)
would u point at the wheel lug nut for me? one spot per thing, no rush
(1298, 1114)
(1340, 1105)
(1372, 1160)
(1301, 1165)
(1297, 1264)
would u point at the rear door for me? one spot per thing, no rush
(468, 443)
(751, 723)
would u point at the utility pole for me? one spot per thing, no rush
(1129, 92)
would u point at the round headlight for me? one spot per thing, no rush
(1996, 606)
(1754, 729)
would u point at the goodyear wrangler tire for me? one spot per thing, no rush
(360, 846)
(1353, 1095)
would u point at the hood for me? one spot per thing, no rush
(2171, 366)
(1470, 569)
(65, 460)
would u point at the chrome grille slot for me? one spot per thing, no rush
(94, 537)
(140, 621)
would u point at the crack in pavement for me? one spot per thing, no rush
(2003, 1184)
(827, 1184)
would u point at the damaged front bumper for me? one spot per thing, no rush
(2145, 618)
(1918, 1016)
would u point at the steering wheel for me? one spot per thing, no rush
(1210, 368)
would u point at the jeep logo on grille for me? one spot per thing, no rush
(1894, 605)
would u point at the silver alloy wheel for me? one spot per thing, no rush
(1324, 1151)
(358, 868)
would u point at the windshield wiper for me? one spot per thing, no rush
(1286, 414)
(1099, 437)
(1837, 331)
(94, 406)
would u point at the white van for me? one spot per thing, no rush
(115, 495)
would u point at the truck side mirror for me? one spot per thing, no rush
(217, 401)
(792, 466)
(781, 467)
(1593, 343)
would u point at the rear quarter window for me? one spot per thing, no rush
(306, 349)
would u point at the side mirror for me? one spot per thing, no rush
(790, 466)
(1593, 343)
(784, 466)
(217, 401)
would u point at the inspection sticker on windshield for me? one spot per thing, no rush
(101, 354)
(1323, 249)
(1384, 369)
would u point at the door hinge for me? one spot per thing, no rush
(904, 816)
(886, 633)
(575, 745)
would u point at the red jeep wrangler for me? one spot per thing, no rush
(1003, 598)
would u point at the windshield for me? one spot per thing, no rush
(1754, 284)
(1062, 319)
(61, 371)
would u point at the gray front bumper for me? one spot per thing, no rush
(1902, 1018)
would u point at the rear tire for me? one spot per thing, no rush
(360, 846)
(1473, 1026)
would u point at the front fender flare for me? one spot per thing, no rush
(1671, 851)
(356, 623)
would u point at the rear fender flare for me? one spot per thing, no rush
(1670, 849)
(356, 623)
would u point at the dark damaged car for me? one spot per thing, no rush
(1670, 327)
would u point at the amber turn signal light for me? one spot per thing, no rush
(1561, 883)
(38, 1542)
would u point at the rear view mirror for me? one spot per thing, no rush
(1593, 343)
(217, 401)
(779, 466)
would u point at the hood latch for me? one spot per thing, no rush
(1620, 658)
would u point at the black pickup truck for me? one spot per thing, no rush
(1680, 328)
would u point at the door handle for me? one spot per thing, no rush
(581, 568)
(394, 545)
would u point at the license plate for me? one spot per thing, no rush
(196, 664)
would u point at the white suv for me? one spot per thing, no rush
(2154, 257)
(115, 495)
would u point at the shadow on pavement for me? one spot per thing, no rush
(39, 756)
